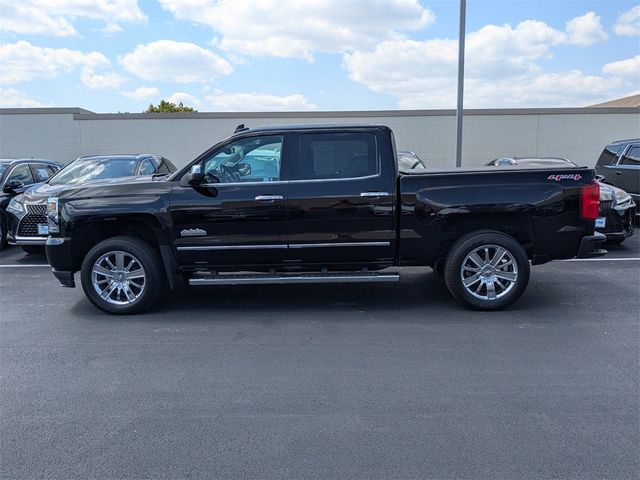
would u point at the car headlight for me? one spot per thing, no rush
(16, 207)
(622, 200)
(53, 219)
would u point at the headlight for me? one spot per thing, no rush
(16, 207)
(52, 215)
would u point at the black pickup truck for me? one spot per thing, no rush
(316, 204)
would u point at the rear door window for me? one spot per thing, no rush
(325, 156)
(632, 157)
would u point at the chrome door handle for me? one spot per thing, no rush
(374, 194)
(268, 198)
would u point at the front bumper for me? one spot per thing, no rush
(17, 240)
(60, 258)
(590, 246)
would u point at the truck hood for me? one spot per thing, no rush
(38, 194)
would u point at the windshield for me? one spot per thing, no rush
(3, 168)
(84, 170)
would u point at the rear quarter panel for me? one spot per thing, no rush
(540, 208)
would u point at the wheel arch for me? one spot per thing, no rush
(90, 232)
(516, 225)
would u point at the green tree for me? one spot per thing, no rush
(165, 106)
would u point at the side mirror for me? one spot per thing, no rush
(13, 185)
(194, 177)
(599, 178)
(244, 169)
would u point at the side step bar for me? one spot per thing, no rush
(294, 278)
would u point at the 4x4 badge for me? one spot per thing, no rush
(571, 176)
(193, 232)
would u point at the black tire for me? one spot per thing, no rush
(149, 259)
(515, 257)
(33, 249)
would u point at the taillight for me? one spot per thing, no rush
(590, 201)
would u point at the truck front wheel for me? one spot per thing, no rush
(487, 270)
(122, 275)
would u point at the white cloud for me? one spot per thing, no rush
(10, 97)
(629, 22)
(625, 68)
(252, 102)
(179, 62)
(501, 69)
(496, 50)
(185, 98)
(21, 62)
(54, 17)
(142, 93)
(98, 81)
(111, 28)
(585, 30)
(562, 89)
(291, 28)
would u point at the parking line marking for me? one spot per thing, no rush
(615, 259)
(22, 266)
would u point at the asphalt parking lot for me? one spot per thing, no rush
(331, 381)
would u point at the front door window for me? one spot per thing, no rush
(253, 159)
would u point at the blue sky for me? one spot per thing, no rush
(217, 55)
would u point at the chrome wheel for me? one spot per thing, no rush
(489, 272)
(118, 277)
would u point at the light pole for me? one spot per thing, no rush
(461, 35)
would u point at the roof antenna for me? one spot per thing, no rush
(240, 128)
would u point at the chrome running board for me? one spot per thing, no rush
(283, 278)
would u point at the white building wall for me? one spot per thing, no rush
(54, 136)
(63, 134)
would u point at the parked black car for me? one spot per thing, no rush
(331, 206)
(617, 208)
(16, 175)
(27, 222)
(619, 164)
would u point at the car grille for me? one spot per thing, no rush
(36, 214)
(616, 223)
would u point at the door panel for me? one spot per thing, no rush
(226, 225)
(239, 217)
(347, 214)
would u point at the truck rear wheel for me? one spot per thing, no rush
(122, 275)
(487, 270)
